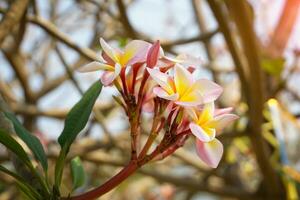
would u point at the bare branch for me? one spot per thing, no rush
(62, 37)
(12, 17)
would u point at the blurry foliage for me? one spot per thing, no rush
(273, 66)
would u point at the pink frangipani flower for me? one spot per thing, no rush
(205, 125)
(114, 60)
(182, 88)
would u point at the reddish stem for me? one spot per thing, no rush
(123, 80)
(136, 68)
(140, 93)
(154, 130)
(110, 184)
(136, 121)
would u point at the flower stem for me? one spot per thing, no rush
(154, 129)
(110, 184)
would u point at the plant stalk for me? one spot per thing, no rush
(110, 184)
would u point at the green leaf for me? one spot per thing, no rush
(30, 140)
(273, 66)
(26, 194)
(25, 187)
(77, 171)
(122, 42)
(76, 120)
(10, 143)
(78, 117)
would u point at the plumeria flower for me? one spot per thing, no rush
(208, 121)
(182, 88)
(205, 125)
(114, 60)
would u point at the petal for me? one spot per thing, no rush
(207, 113)
(109, 51)
(164, 64)
(109, 76)
(161, 78)
(163, 94)
(210, 152)
(174, 60)
(192, 113)
(107, 59)
(223, 111)
(191, 98)
(189, 60)
(135, 51)
(95, 66)
(209, 90)
(118, 69)
(182, 79)
(188, 103)
(203, 135)
(221, 121)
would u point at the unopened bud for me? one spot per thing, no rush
(153, 54)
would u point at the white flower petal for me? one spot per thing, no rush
(202, 134)
(95, 66)
(222, 121)
(110, 51)
(183, 79)
(210, 152)
(164, 95)
(161, 78)
(209, 90)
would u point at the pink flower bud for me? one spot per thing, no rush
(191, 69)
(153, 54)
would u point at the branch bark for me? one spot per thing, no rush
(240, 12)
(12, 18)
(62, 37)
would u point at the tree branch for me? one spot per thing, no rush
(12, 18)
(62, 37)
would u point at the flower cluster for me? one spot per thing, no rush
(181, 104)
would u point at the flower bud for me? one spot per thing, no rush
(153, 54)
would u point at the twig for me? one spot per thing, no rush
(33, 110)
(231, 42)
(199, 38)
(62, 37)
(197, 6)
(192, 185)
(12, 17)
(50, 85)
(68, 70)
(124, 19)
(17, 62)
